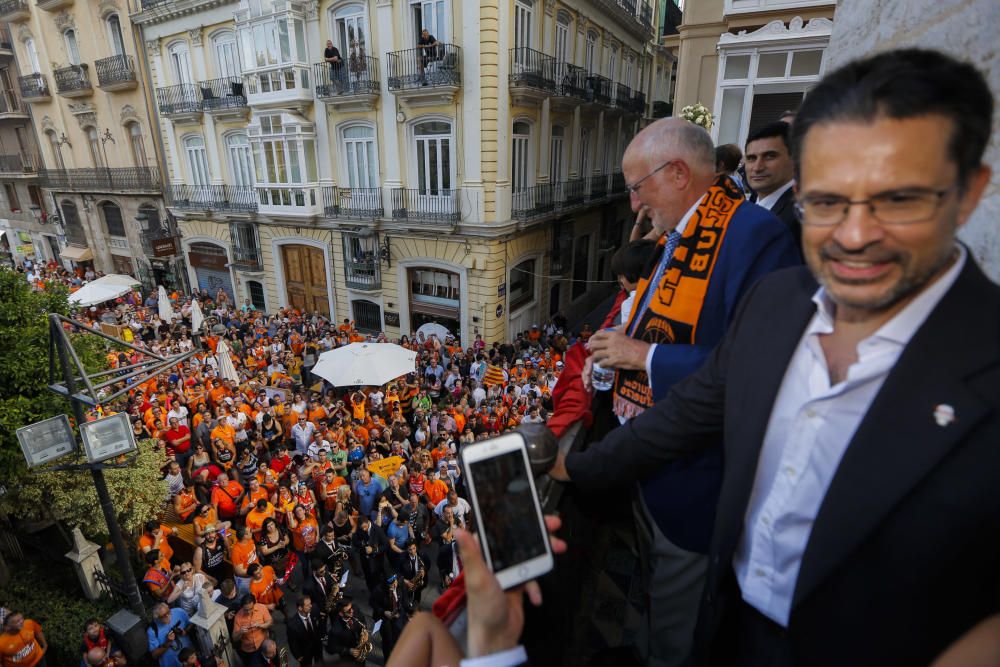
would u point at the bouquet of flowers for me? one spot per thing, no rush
(698, 114)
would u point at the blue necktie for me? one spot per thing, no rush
(673, 238)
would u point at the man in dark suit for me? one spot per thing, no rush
(771, 173)
(861, 458)
(321, 588)
(413, 570)
(347, 631)
(391, 607)
(371, 544)
(305, 632)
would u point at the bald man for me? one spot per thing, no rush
(713, 246)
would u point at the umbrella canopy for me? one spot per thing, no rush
(103, 289)
(434, 328)
(197, 317)
(365, 364)
(226, 368)
(164, 306)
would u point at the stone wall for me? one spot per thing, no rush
(964, 28)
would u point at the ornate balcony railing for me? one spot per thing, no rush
(357, 75)
(13, 10)
(426, 205)
(623, 97)
(247, 258)
(532, 69)
(618, 183)
(6, 43)
(112, 179)
(223, 198)
(527, 203)
(438, 65)
(224, 93)
(115, 70)
(18, 164)
(10, 102)
(33, 86)
(598, 186)
(72, 79)
(571, 193)
(638, 102)
(362, 273)
(182, 98)
(599, 89)
(353, 203)
(571, 81)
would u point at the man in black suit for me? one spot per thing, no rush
(346, 632)
(321, 587)
(305, 632)
(861, 457)
(771, 173)
(371, 544)
(413, 569)
(390, 606)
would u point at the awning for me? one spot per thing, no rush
(103, 289)
(76, 254)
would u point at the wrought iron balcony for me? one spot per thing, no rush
(113, 179)
(18, 164)
(178, 100)
(362, 272)
(354, 83)
(222, 198)
(638, 102)
(73, 81)
(618, 183)
(598, 186)
(528, 203)
(223, 96)
(149, 4)
(247, 258)
(353, 203)
(426, 205)
(11, 106)
(115, 73)
(623, 97)
(532, 69)
(14, 10)
(571, 83)
(34, 88)
(6, 43)
(599, 89)
(432, 66)
(572, 193)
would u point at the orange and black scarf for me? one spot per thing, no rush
(673, 311)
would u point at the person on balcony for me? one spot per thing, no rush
(332, 56)
(428, 52)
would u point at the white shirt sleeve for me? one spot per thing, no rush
(508, 658)
(649, 363)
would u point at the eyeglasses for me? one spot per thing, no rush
(188, 571)
(897, 207)
(634, 188)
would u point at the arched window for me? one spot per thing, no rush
(180, 62)
(197, 159)
(557, 150)
(360, 156)
(113, 221)
(628, 69)
(114, 25)
(137, 144)
(563, 21)
(71, 223)
(613, 63)
(56, 149)
(240, 162)
(591, 50)
(32, 51)
(227, 54)
(432, 141)
(96, 149)
(351, 25)
(72, 48)
(520, 161)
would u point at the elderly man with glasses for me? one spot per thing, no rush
(714, 246)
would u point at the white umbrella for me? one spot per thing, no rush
(164, 306)
(226, 368)
(365, 364)
(103, 289)
(197, 317)
(434, 328)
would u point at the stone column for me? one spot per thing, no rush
(470, 130)
(391, 166)
(210, 621)
(87, 563)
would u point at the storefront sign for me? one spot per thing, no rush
(391, 319)
(164, 247)
(214, 262)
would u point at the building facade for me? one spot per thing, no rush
(474, 182)
(749, 60)
(80, 76)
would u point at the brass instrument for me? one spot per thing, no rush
(364, 646)
(416, 584)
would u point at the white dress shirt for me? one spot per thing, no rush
(811, 426)
(770, 200)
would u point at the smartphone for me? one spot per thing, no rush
(505, 504)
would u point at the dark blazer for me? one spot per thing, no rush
(341, 638)
(312, 588)
(377, 541)
(301, 642)
(784, 209)
(902, 557)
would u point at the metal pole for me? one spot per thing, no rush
(121, 550)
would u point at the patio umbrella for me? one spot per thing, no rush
(226, 368)
(365, 364)
(103, 289)
(197, 317)
(163, 305)
(433, 328)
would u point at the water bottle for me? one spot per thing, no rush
(602, 379)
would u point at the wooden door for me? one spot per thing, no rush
(305, 278)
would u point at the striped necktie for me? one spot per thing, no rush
(673, 238)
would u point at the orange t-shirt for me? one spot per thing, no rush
(305, 535)
(21, 649)
(266, 590)
(165, 550)
(255, 520)
(330, 503)
(243, 554)
(224, 432)
(225, 499)
(436, 491)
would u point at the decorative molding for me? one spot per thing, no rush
(311, 9)
(153, 47)
(195, 36)
(47, 124)
(86, 114)
(23, 32)
(64, 21)
(581, 22)
(106, 7)
(776, 31)
(129, 114)
(550, 7)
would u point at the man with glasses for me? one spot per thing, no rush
(714, 246)
(860, 400)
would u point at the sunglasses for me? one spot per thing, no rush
(186, 571)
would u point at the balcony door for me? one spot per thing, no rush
(524, 17)
(432, 15)
(562, 45)
(305, 278)
(180, 63)
(72, 48)
(227, 56)
(361, 162)
(434, 166)
(115, 35)
(197, 159)
(32, 51)
(352, 31)
(240, 162)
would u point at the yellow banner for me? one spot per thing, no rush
(386, 467)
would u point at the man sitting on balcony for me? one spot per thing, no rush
(332, 56)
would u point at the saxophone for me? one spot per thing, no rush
(418, 583)
(364, 646)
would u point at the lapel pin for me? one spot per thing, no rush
(944, 414)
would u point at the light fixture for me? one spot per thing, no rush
(384, 252)
(400, 117)
(142, 220)
(64, 141)
(37, 213)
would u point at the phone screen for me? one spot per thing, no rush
(507, 510)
